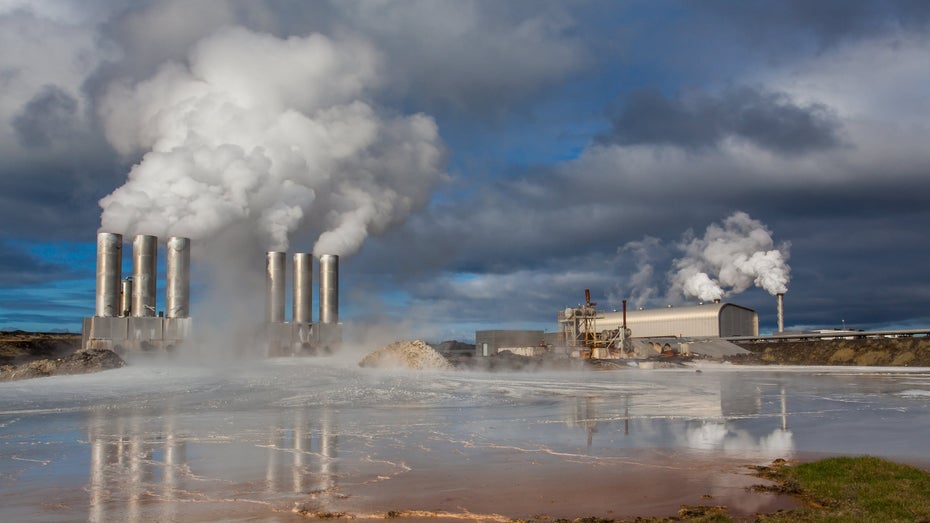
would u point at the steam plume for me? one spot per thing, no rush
(730, 258)
(269, 137)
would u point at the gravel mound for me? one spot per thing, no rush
(416, 355)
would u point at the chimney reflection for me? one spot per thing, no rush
(139, 469)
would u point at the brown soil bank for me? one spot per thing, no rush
(26, 355)
(878, 352)
(17, 347)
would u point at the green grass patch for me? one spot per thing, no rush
(860, 490)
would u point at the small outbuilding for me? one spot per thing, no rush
(488, 342)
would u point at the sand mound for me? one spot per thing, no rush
(416, 354)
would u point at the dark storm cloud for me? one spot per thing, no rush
(48, 117)
(827, 21)
(19, 267)
(769, 120)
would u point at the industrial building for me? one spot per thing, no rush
(301, 336)
(709, 320)
(126, 318)
(490, 342)
(590, 333)
(622, 334)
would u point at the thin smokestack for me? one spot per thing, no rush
(125, 307)
(109, 272)
(274, 286)
(780, 301)
(144, 259)
(178, 277)
(329, 288)
(302, 306)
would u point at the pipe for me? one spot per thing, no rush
(624, 317)
(274, 286)
(302, 305)
(144, 259)
(780, 302)
(178, 277)
(329, 288)
(125, 303)
(109, 272)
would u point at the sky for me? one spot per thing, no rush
(476, 164)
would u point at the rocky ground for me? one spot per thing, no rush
(33, 355)
(881, 352)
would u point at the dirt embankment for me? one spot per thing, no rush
(876, 352)
(33, 355)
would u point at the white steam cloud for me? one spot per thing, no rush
(271, 137)
(730, 258)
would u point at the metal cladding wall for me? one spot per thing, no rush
(487, 342)
(709, 320)
(274, 286)
(178, 277)
(302, 306)
(329, 288)
(144, 263)
(109, 273)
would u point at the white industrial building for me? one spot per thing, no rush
(709, 320)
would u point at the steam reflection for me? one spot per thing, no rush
(739, 415)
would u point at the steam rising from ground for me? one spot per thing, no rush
(267, 137)
(730, 258)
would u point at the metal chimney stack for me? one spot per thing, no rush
(178, 277)
(329, 288)
(144, 263)
(109, 272)
(274, 286)
(780, 301)
(302, 305)
(125, 304)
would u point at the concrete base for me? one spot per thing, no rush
(303, 339)
(129, 334)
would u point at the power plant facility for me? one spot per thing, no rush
(126, 318)
(301, 337)
(586, 332)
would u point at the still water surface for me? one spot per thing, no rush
(260, 442)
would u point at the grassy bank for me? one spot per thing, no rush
(861, 490)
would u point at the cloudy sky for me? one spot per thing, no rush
(478, 164)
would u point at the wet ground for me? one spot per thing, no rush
(281, 440)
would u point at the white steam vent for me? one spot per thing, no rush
(270, 135)
(730, 258)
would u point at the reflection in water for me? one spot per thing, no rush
(738, 399)
(142, 465)
(256, 444)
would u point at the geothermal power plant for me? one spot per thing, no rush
(126, 317)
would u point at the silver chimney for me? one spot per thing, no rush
(329, 288)
(780, 301)
(109, 272)
(302, 309)
(125, 303)
(274, 286)
(144, 260)
(178, 278)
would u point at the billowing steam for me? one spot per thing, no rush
(730, 258)
(271, 136)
